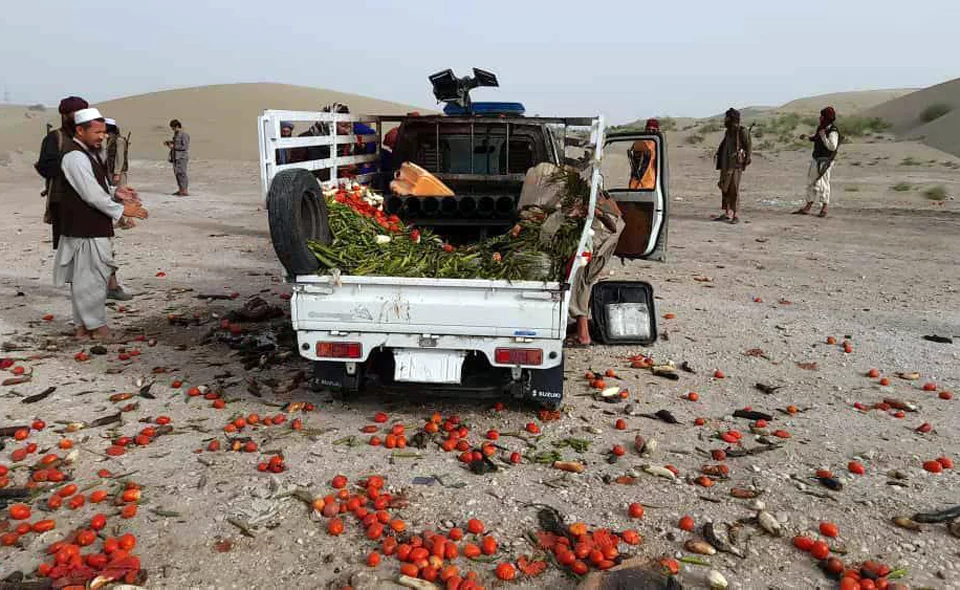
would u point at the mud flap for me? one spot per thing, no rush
(334, 377)
(545, 387)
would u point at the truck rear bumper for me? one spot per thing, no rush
(307, 341)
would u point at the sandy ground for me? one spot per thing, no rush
(880, 271)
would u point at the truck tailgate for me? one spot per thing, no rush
(429, 306)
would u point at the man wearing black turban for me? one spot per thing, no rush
(733, 157)
(48, 165)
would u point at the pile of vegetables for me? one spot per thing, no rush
(366, 241)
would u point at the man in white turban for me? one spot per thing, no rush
(88, 210)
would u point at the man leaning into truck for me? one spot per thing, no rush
(541, 190)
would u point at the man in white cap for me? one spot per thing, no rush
(89, 207)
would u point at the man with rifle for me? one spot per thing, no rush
(48, 165)
(826, 140)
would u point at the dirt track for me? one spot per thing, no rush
(881, 271)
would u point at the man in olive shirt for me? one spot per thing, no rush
(179, 156)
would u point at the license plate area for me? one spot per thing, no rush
(428, 366)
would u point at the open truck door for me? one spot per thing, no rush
(634, 168)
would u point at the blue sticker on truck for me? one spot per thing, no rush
(524, 333)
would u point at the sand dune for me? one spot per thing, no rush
(221, 119)
(906, 114)
(846, 103)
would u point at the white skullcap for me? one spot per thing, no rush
(110, 121)
(86, 115)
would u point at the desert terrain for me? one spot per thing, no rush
(756, 301)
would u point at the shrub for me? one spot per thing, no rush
(901, 187)
(37, 108)
(851, 189)
(711, 127)
(667, 124)
(909, 161)
(936, 193)
(934, 112)
(694, 139)
(858, 126)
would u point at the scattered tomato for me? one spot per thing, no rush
(42, 526)
(98, 521)
(856, 468)
(820, 550)
(829, 529)
(19, 511)
(945, 462)
(506, 571)
(929, 386)
(945, 395)
(686, 523)
(693, 396)
(475, 526)
(532, 428)
(933, 466)
(635, 510)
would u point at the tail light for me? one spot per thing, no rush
(339, 350)
(518, 356)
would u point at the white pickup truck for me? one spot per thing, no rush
(462, 336)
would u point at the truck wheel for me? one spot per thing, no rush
(297, 213)
(545, 387)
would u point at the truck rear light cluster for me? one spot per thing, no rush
(518, 356)
(339, 350)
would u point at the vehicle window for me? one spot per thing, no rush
(486, 154)
(630, 165)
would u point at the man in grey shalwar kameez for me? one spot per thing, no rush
(88, 210)
(179, 156)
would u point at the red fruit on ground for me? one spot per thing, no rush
(820, 550)
(829, 529)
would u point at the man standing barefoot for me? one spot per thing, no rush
(88, 211)
(826, 140)
(733, 157)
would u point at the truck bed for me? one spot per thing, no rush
(462, 307)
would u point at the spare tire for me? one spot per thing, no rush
(297, 213)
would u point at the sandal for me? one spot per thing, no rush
(735, 221)
(801, 212)
(574, 342)
(721, 218)
(822, 214)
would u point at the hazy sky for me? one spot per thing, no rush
(624, 59)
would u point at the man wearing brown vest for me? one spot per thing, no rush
(88, 211)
